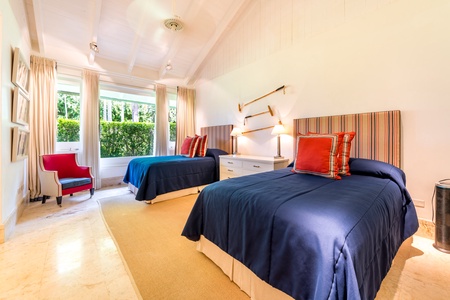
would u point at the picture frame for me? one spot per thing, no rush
(20, 143)
(21, 71)
(20, 107)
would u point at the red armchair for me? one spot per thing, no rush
(61, 175)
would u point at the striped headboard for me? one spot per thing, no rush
(377, 133)
(219, 137)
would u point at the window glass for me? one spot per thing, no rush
(172, 119)
(68, 115)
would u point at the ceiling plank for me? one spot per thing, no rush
(95, 24)
(237, 7)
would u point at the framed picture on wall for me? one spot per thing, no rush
(20, 143)
(21, 71)
(21, 107)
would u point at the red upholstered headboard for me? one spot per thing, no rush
(219, 137)
(378, 134)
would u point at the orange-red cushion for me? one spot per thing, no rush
(189, 146)
(201, 146)
(345, 143)
(340, 144)
(317, 155)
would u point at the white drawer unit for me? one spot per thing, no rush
(240, 165)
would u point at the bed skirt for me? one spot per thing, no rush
(247, 281)
(171, 195)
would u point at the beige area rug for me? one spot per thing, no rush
(164, 264)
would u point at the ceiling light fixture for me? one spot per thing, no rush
(169, 66)
(93, 46)
(173, 24)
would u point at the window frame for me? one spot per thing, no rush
(68, 147)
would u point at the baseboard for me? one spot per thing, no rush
(426, 229)
(2, 233)
(112, 181)
(7, 228)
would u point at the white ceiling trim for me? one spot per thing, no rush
(37, 11)
(191, 14)
(234, 10)
(134, 51)
(95, 24)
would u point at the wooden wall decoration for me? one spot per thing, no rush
(269, 111)
(259, 98)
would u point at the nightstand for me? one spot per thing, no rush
(240, 165)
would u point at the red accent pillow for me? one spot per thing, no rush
(201, 146)
(189, 146)
(344, 150)
(317, 155)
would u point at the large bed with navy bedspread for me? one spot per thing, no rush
(319, 238)
(283, 235)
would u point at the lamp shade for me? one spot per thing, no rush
(236, 131)
(278, 129)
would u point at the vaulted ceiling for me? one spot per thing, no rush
(130, 35)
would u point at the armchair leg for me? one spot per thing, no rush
(59, 200)
(92, 192)
(44, 198)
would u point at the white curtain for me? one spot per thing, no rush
(162, 121)
(185, 115)
(42, 117)
(90, 135)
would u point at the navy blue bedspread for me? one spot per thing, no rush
(158, 175)
(309, 236)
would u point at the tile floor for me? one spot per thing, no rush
(64, 253)
(68, 253)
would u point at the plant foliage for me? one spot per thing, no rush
(117, 139)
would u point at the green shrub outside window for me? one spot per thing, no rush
(117, 139)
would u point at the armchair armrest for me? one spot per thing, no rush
(82, 171)
(50, 184)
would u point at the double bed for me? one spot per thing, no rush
(160, 178)
(284, 235)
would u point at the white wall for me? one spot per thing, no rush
(12, 180)
(338, 57)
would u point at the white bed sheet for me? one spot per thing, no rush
(247, 281)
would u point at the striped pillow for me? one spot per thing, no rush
(189, 146)
(202, 144)
(344, 168)
(317, 155)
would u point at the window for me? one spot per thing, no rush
(127, 121)
(68, 115)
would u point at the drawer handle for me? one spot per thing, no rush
(230, 170)
(256, 166)
(230, 162)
